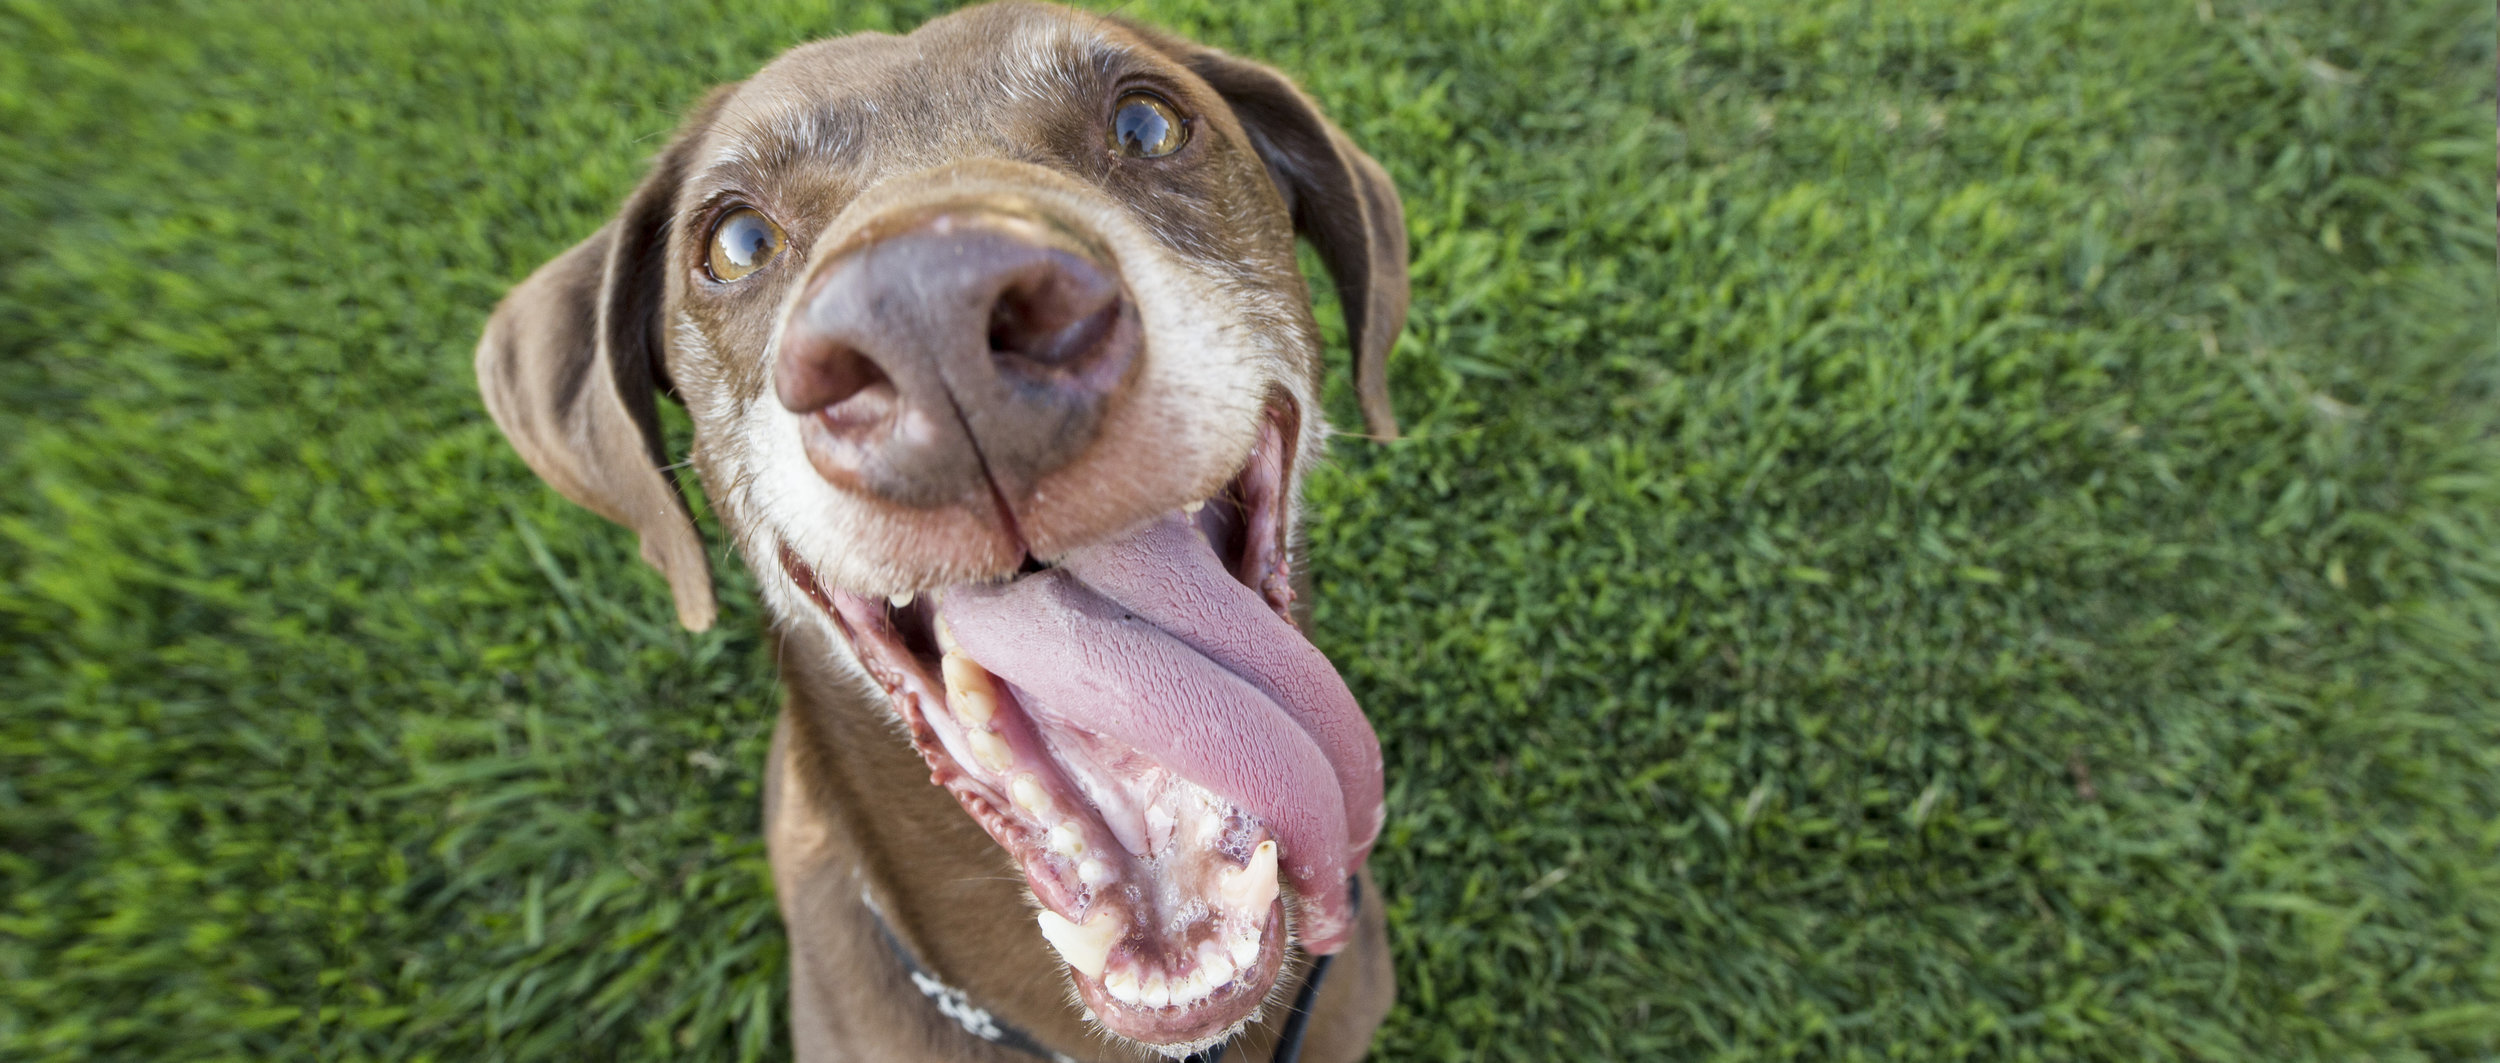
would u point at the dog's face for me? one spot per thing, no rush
(1002, 374)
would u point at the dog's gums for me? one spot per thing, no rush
(1161, 875)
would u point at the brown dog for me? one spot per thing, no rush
(1004, 381)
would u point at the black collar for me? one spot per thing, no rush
(978, 1021)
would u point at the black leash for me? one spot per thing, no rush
(978, 1021)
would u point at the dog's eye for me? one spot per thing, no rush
(743, 240)
(1145, 127)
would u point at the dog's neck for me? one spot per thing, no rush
(864, 846)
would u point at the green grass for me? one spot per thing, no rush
(1930, 530)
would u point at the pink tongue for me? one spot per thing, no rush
(1148, 641)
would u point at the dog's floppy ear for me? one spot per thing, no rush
(1341, 200)
(570, 367)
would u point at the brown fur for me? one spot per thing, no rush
(994, 105)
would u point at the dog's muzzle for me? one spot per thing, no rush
(1133, 716)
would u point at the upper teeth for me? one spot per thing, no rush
(899, 600)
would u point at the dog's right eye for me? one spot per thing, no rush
(743, 241)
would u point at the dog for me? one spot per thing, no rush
(1004, 382)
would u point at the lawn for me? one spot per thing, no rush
(1928, 530)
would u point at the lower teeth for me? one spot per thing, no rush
(1086, 947)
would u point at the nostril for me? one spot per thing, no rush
(820, 373)
(1055, 314)
(1013, 332)
(1011, 320)
(865, 407)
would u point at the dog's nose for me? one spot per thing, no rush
(967, 351)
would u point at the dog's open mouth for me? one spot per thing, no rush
(1166, 758)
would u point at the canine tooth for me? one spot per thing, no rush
(1093, 872)
(1194, 507)
(1252, 888)
(1214, 964)
(1030, 796)
(1069, 842)
(989, 749)
(1244, 947)
(968, 688)
(1085, 946)
(1123, 986)
(1158, 990)
(899, 601)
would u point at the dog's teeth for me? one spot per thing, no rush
(969, 691)
(1085, 946)
(989, 749)
(1193, 508)
(945, 637)
(1069, 842)
(1253, 887)
(1159, 824)
(899, 601)
(1030, 796)
(1244, 946)
(1093, 872)
(1158, 990)
(976, 707)
(1190, 988)
(1123, 986)
(1213, 964)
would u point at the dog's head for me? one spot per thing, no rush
(1002, 373)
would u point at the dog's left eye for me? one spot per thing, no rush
(743, 240)
(1145, 127)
